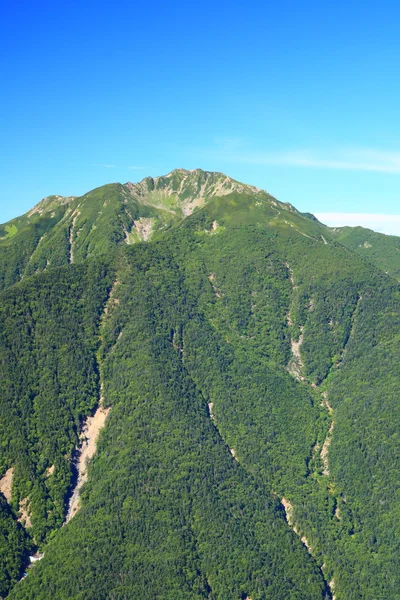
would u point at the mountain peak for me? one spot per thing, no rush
(50, 203)
(115, 214)
(185, 190)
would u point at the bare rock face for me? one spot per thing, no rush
(6, 483)
(87, 450)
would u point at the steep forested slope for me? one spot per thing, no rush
(49, 382)
(186, 520)
(378, 248)
(250, 363)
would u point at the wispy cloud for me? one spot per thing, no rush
(389, 224)
(357, 159)
(131, 167)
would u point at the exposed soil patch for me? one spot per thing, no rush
(288, 511)
(71, 236)
(144, 227)
(325, 450)
(217, 291)
(36, 557)
(6, 483)
(112, 300)
(50, 470)
(295, 346)
(331, 585)
(24, 509)
(290, 271)
(188, 208)
(90, 431)
(232, 451)
(328, 439)
(290, 521)
(296, 364)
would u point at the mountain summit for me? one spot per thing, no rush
(186, 190)
(62, 230)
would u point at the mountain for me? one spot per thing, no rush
(229, 367)
(59, 231)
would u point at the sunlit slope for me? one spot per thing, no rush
(378, 248)
(91, 226)
(226, 303)
(342, 322)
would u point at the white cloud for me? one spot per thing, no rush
(107, 166)
(350, 159)
(389, 224)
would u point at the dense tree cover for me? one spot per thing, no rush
(167, 508)
(365, 461)
(204, 314)
(49, 383)
(14, 548)
(331, 296)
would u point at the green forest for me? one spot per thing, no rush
(248, 356)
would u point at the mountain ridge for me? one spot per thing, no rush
(59, 228)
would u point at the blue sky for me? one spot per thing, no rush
(301, 99)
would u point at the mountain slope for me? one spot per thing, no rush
(378, 248)
(250, 363)
(187, 521)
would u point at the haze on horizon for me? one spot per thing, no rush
(299, 100)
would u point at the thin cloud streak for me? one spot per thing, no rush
(131, 167)
(354, 160)
(388, 224)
